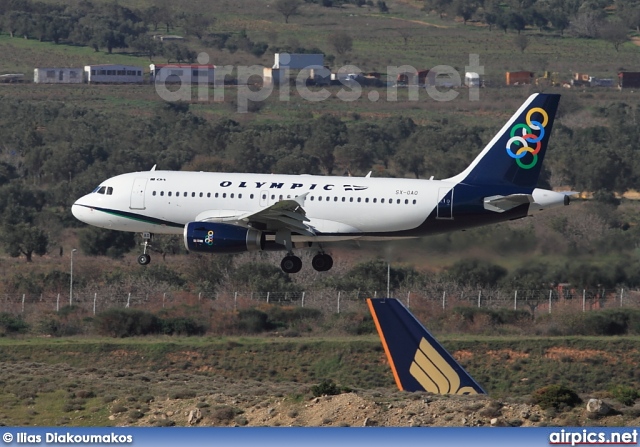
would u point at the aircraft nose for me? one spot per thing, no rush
(79, 212)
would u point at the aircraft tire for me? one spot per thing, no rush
(291, 264)
(322, 262)
(144, 259)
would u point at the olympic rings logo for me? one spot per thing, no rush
(522, 142)
(209, 239)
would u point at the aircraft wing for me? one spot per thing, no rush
(283, 215)
(500, 204)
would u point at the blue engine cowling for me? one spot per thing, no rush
(212, 237)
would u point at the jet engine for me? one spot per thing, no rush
(213, 237)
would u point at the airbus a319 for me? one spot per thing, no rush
(238, 212)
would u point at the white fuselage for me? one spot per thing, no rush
(165, 201)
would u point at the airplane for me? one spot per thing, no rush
(238, 212)
(418, 362)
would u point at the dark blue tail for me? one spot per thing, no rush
(514, 156)
(418, 361)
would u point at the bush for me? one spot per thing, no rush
(127, 323)
(556, 397)
(182, 326)
(495, 316)
(624, 394)
(10, 324)
(253, 321)
(325, 388)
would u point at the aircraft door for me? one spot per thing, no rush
(137, 194)
(445, 203)
(264, 198)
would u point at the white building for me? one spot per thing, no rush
(182, 73)
(113, 74)
(472, 79)
(58, 75)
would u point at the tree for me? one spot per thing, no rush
(465, 9)
(522, 42)
(288, 8)
(342, 42)
(615, 33)
(197, 25)
(25, 239)
(439, 6)
(99, 242)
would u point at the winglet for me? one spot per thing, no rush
(417, 360)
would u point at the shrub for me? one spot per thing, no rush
(555, 396)
(253, 321)
(10, 324)
(325, 388)
(182, 326)
(624, 394)
(127, 323)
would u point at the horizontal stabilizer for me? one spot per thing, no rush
(417, 360)
(500, 204)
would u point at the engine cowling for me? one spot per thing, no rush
(213, 237)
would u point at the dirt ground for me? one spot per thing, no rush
(357, 409)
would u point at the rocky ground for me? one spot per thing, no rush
(368, 408)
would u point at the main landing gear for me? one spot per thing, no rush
(321, 262)
(145, 258)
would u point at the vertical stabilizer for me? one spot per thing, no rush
(417, 360)
(514, 156)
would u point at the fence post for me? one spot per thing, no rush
(338, 301)
(235, 301)
(58, 303)
(444, 296)
(550, 293)
(584, 300)
(199, 296)
(408, 299)
(128, 300)
(95, 298)
(164, 296)
(302, 305)
(267, 297)
(515, 300)
(479, 297)
(23, 302)
(621, 293)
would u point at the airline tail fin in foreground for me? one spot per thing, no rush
(418, 361)
(514, 156)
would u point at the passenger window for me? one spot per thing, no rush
(406, 201)
(161, 193)
(375, 200)
(281, 197)
(264, 196)
(350, 199)
(201, 194)
(343, 199)
(177, 194)
(154, 193)
(224, 195)
(319, 198)
(366, 200)
(312, 198)
(381, 200)
(359, 199)
(169, 193)
(231, 195)
(273, 196)
(335, 199)
(251, 196)
(414, 201)
(185, 194)
(193, 194)
(216, 195)
(398, 201)
(208, 194)
(239, 196)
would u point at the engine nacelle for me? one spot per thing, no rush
(212, 237)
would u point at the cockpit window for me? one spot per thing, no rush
(109, 190)
(102, 189)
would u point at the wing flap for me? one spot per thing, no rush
(500, 204)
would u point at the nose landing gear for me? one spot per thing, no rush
(145, 258)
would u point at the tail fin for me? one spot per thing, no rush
(514, 156)
(418, 361)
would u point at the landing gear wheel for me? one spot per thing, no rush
(291, 264)
(322, 262)
(144, 259)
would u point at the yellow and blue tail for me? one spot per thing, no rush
(418, 361)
